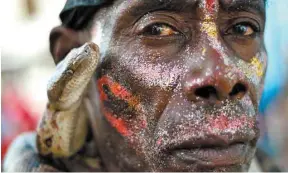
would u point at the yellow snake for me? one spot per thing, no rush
(64, 126)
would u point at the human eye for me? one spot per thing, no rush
(244, 29)
(160, 29)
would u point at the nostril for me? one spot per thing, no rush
(206, 92)
(238, 90)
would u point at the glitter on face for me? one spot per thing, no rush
(257, 66)
(222, 122)
(210, 28)
(253, 71)
(119, 92)
(209, 25)
(152, 74)
(164, 115)
(204, 50)
(118, 124)
(210, 5)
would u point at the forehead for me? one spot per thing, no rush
(142, 6)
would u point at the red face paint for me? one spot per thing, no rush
(159, 141)
(222, 122)
(118, 91)
(119, 124)
(210, 5)
(122, 93)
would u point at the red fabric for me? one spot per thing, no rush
(16, 117)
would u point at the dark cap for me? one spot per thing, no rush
(75, 12)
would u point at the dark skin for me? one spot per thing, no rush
(179, 83)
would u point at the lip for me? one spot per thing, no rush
(213, 150)
(233, 154)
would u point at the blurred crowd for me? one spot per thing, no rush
(26, 67)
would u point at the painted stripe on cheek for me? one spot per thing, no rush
(119, 124)
(122, 93)
(118, 91)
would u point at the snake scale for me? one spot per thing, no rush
(63, 128)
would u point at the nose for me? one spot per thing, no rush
(215, 83)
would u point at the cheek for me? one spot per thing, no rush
(255, 69)
(118, 105)
(243, 47)
(260, 65)
(152, 70)
(252, 69)
(150, 62)
(254, 72)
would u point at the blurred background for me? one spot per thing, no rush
(26, 66)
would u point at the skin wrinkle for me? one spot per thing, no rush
(159, 70)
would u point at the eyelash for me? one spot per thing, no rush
(255, 28)
(149, 29)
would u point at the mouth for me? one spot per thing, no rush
(233, 154)
(212, 153)
(218, 142)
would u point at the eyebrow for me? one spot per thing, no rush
(146, 6)
(253, 6)
(142, 7)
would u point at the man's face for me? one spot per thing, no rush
(179, 84)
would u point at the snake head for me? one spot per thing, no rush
(72, 76)
(64, 126)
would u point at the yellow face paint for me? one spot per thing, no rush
(210, 28)
(210, 13)
(258, 66)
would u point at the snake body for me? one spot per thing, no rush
(64, 126)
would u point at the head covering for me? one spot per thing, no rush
(77, 13)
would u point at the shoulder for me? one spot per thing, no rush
(23, 156)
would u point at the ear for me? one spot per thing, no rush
(63, 39)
